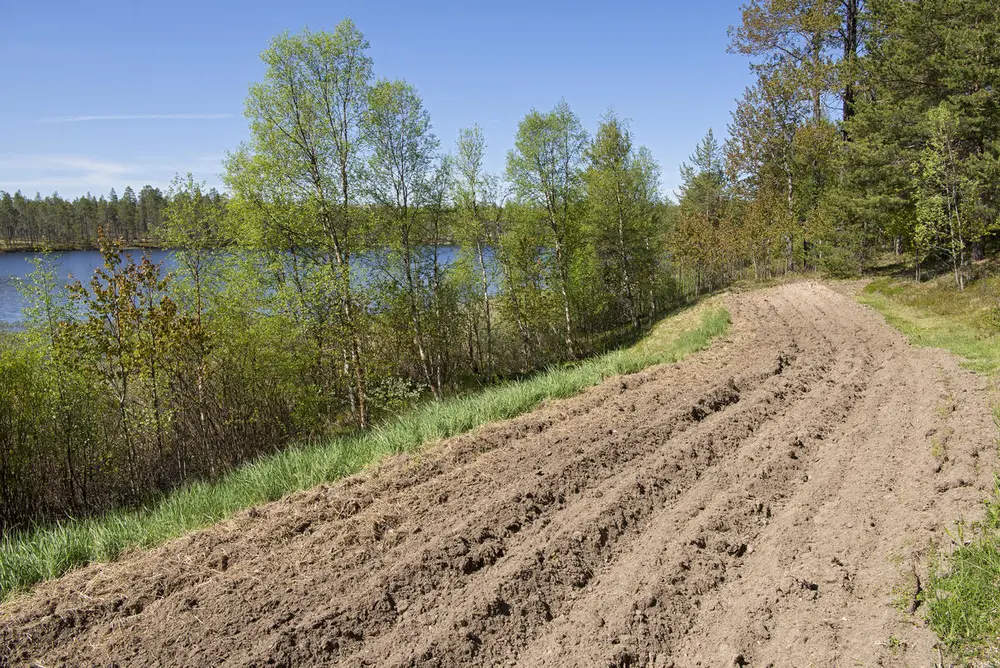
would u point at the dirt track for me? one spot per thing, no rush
(770, 500)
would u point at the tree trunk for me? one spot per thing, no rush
(977, 250)
(623, 251)
(817, 92)
(522, 327)
(851, 39)
(439, 345)
(563, 283)
(486, 308)
(344, 266)
(415, 323)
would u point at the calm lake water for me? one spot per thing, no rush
(81, 264)
(78, 264)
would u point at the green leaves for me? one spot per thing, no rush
(402, 147)
(793, 39)
(622, 192)
(545, 166)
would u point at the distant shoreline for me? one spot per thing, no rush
(62, 248)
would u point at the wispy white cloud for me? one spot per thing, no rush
(61, 163)
(50, 172)
(136, 117)
(73, 175)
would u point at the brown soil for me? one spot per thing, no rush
(771, 500)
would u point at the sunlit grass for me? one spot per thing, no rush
(49, 551)
(964, 590)
(936, 314)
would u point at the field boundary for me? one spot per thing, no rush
(30, 557)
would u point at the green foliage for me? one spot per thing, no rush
(545, 168)
(925, 136)
(477, 227)
(793, 38)
(912, 164)
(54, 222)
(702, 234)
(353, 271)
(407, 193)
(622, 191)
(134, 338)
(295, 186)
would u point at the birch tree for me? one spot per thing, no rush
(546, 169)
(296, 183)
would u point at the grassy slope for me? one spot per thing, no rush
(963, 595)
(50, 551)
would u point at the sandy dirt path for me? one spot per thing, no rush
(768, 501)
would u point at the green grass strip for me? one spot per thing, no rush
(49, 551)
(963, 600)
(938, 315)
(963, 591)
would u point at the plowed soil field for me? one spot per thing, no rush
(771, 500)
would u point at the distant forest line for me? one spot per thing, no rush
(60, 223)
(56, 223)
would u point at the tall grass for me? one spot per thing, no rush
(963, 592)
(46, 552)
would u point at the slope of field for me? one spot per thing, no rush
(770, 500)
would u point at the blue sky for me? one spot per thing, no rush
(109, 94)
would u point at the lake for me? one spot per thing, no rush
(81, 264)
(78, 264)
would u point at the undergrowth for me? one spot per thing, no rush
(46, 552)
(963, 596)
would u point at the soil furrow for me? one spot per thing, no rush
(763, 502)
